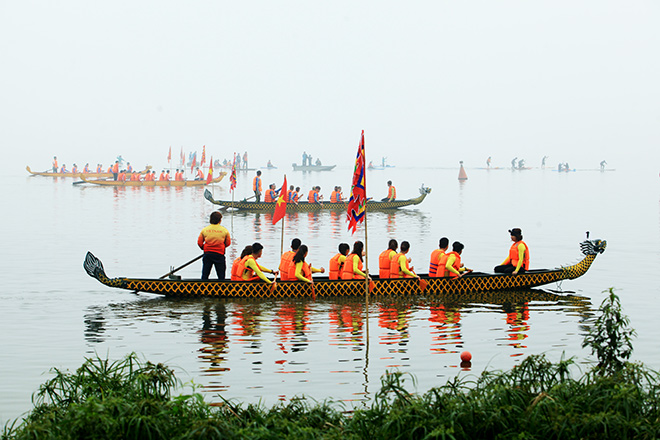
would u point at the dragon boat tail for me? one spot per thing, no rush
(323, 287)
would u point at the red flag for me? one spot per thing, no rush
(232, 176)
(203, 155)
(357, 204)
(183, 159)
(280, 206)
(210, 176)
(169, 155)
(194, 162)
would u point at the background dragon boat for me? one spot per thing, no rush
(473, 283)
(297, 167)
(153, 182)
(97, 175)
(304, 206)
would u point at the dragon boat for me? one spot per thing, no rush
(88, 175)
(304, 206)
(152, 182)
(323, 287)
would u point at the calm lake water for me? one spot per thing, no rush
(54, 315)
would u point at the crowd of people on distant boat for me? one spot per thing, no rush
(347, 264)
(519, 164)
(292, 194)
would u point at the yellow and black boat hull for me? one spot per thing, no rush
(323, 287)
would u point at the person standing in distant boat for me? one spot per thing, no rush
(55, 164)
(213, 240)
(488, 162)
(513, 162)
(245, 160)
(518, 259)
(115, 170)
(602, 165)
(543, 161)
(304, 158)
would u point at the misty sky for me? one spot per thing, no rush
(430, 82)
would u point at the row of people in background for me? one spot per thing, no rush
(520, 164)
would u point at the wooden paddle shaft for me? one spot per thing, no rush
(181, 267)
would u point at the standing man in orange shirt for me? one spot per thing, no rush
(213, 240)
(256, 186)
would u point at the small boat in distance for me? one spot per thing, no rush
(470, 284)
(297, 167)
(79, 174)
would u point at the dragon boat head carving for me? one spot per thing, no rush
(93, 266)
(424, 190)
(593, 247)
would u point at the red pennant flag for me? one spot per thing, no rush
(357, 204)
(280, 206)
(210, 176)
(194, 162)
(203, 155)
(169, 155)
(232, 176)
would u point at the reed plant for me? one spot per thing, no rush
(537, 399)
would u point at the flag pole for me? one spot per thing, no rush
(366, 256)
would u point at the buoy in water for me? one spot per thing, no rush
(466, 356)
(461, 174)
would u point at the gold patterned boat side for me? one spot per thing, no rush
(323, 287)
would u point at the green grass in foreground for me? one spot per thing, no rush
(130, 399)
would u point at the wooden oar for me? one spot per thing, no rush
(178, 268)
(423, 284)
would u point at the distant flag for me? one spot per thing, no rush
(169, 155)
(194, 162)
(210, 176)
(280, 205)
(183, 158)
(203, 161)
(357, 204)
(232, 176)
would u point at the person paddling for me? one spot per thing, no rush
(352, 269)
(250, 270)
(303, 270)
(234, 267)
(399, 265)
(437, 255)
(337, 262)
(518, 259)
(286, 259)
(385, 259)
(450, 265)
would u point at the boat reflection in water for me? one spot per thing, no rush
(336, 348)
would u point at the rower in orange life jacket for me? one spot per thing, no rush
(234, 267)
(99, 168)
(295, 196)
(86, 169)
(313, 196)
(385, 259)
(55, 164)
(352, 269)
(63, 169)
(518, 259)
(250, 270)
(391, 192)
(122, 176)
(337, 262)
(450, 265)
(399, 267)
(286, 259)
(271, 194)
(200, 174)
(256, 186)
(162, 177)
(336, 196)
(150, 176)
(129, 168)
(135, 177)
(436, 255)
(74, 169)
(303, 271)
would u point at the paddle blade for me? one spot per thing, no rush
(372, 286)
(423, 284)
(273, 286)
(313, 291)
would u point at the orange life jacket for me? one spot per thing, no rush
(200, 174)
(129, 169)
(99, 169)
(54, 163)
(334, 197)
(234, 270)
(513, 255)
(135, 177)
(391, 193)
(306, 270)
(335, 267)
(246, 273)
(384, 263)
(443, 264)
(395, 267)
(115, 168)
(110, 169)
(121, 177)
(295, 196)
(347, 271)
(74, 169)
(285, 261)
(86, 169)
(256, 183)
(270, 196)
(436, 255)
(310, 196)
